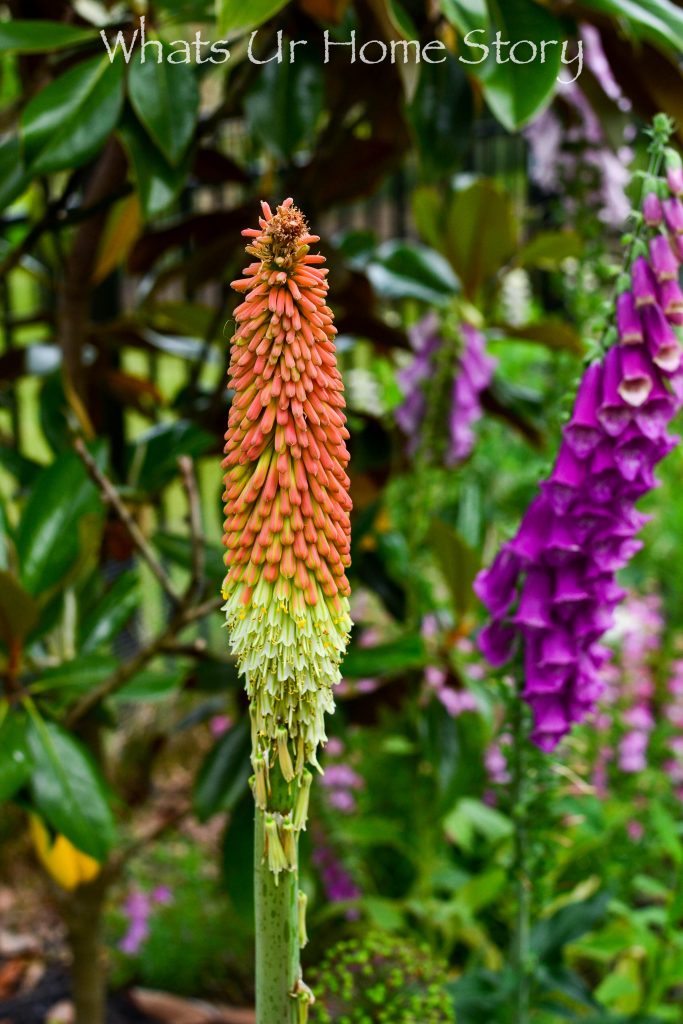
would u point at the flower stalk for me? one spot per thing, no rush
(287, 534)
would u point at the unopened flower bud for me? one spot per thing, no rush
(302, 801)
(277, 859)
(283, 754)
(302, 902)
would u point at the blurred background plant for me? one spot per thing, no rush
(470, 215)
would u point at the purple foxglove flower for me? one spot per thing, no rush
(652, 417)
(586, 519)
(566, 478)
(677, 242)
(637, 375)
(496, 642)
(652, 210)
(562, 543)
(534, 603)
(475, 362)
(550, 715)
(557, 649)
(673, 215)
(661, 340)
(671, 301)
(614, 414)
(663, 259)
(570, 587)
(496, 586)
(604, 477)
(533, 531)
(674, 172)
(629, 327)
(582, 433)
(643, 281)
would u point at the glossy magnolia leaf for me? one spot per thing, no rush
(441, 116)
(178, 549)
(238, 860)
(165, 98)
(18, 610)
(68, 790)
(158, 183)
(284, 104)
(404, 270)
(40, 36)
(70, 119)
(13, 177)
(516, 92)
(52, 525)
(153, 683)
(74, 677)
(659, 21)
(458, 562)
(465, 15)
(153, 456)
(123, 227)
(554, 333)
(102, 623)
(549, 249)
(402, 655)
(480, 233)
(235, 16)
(222, 778)
(15, 759)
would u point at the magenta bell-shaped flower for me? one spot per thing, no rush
(671, 301)
(497, 642)
(629, 328)
(567, 477)
(534, 604)
(652, 210)
(663, 259)
(582, 433)
(673, 215)
(496, 586)
(636, 375)
(643, 282)
(661, 340)
(614, 414)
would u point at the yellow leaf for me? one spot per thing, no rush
(67, 865)
(120, 234)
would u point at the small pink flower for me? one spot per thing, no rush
(220, 724)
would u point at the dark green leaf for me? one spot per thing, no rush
(76, 676)
(37, 36)
(552, 332)
(548, 249)
(550, 936)
(15, 760)
(51, 530)
(68, 791)
(458, 562)
(234, 16)
(441, 116)
(158, 183)
(152, 684)
(402, 270)
(465, 15)
(516, 92)
(152, 457)
(165, 98)
(23, 470)
(70, 119)
(111, 613)
(400, 655)
(223, 776)
(13, 177)
(657, 20)
(481, 233)
(18, 610)
(238, 859)
(178, 549)
(284, 103)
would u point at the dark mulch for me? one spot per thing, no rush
(53, 987)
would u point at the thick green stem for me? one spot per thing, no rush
(521, 949)
(83, 916)
(278, 970)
